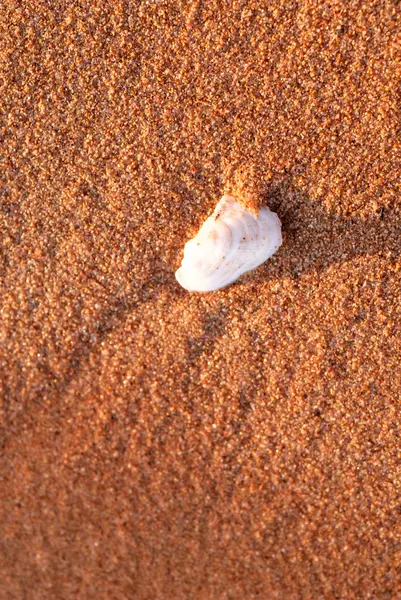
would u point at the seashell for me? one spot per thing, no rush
(230, 242)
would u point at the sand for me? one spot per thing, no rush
(162, 445)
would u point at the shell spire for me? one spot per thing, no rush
(231, 242)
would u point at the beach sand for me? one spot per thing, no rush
(233, 445)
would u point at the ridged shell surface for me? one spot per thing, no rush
(230, 242)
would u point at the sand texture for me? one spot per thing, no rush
(234, 445)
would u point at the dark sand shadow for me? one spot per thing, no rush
(315, 238)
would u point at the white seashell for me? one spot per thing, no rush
(230, 242)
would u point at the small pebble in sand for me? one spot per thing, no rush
(230, 242)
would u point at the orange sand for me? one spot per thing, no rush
(236, 445)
